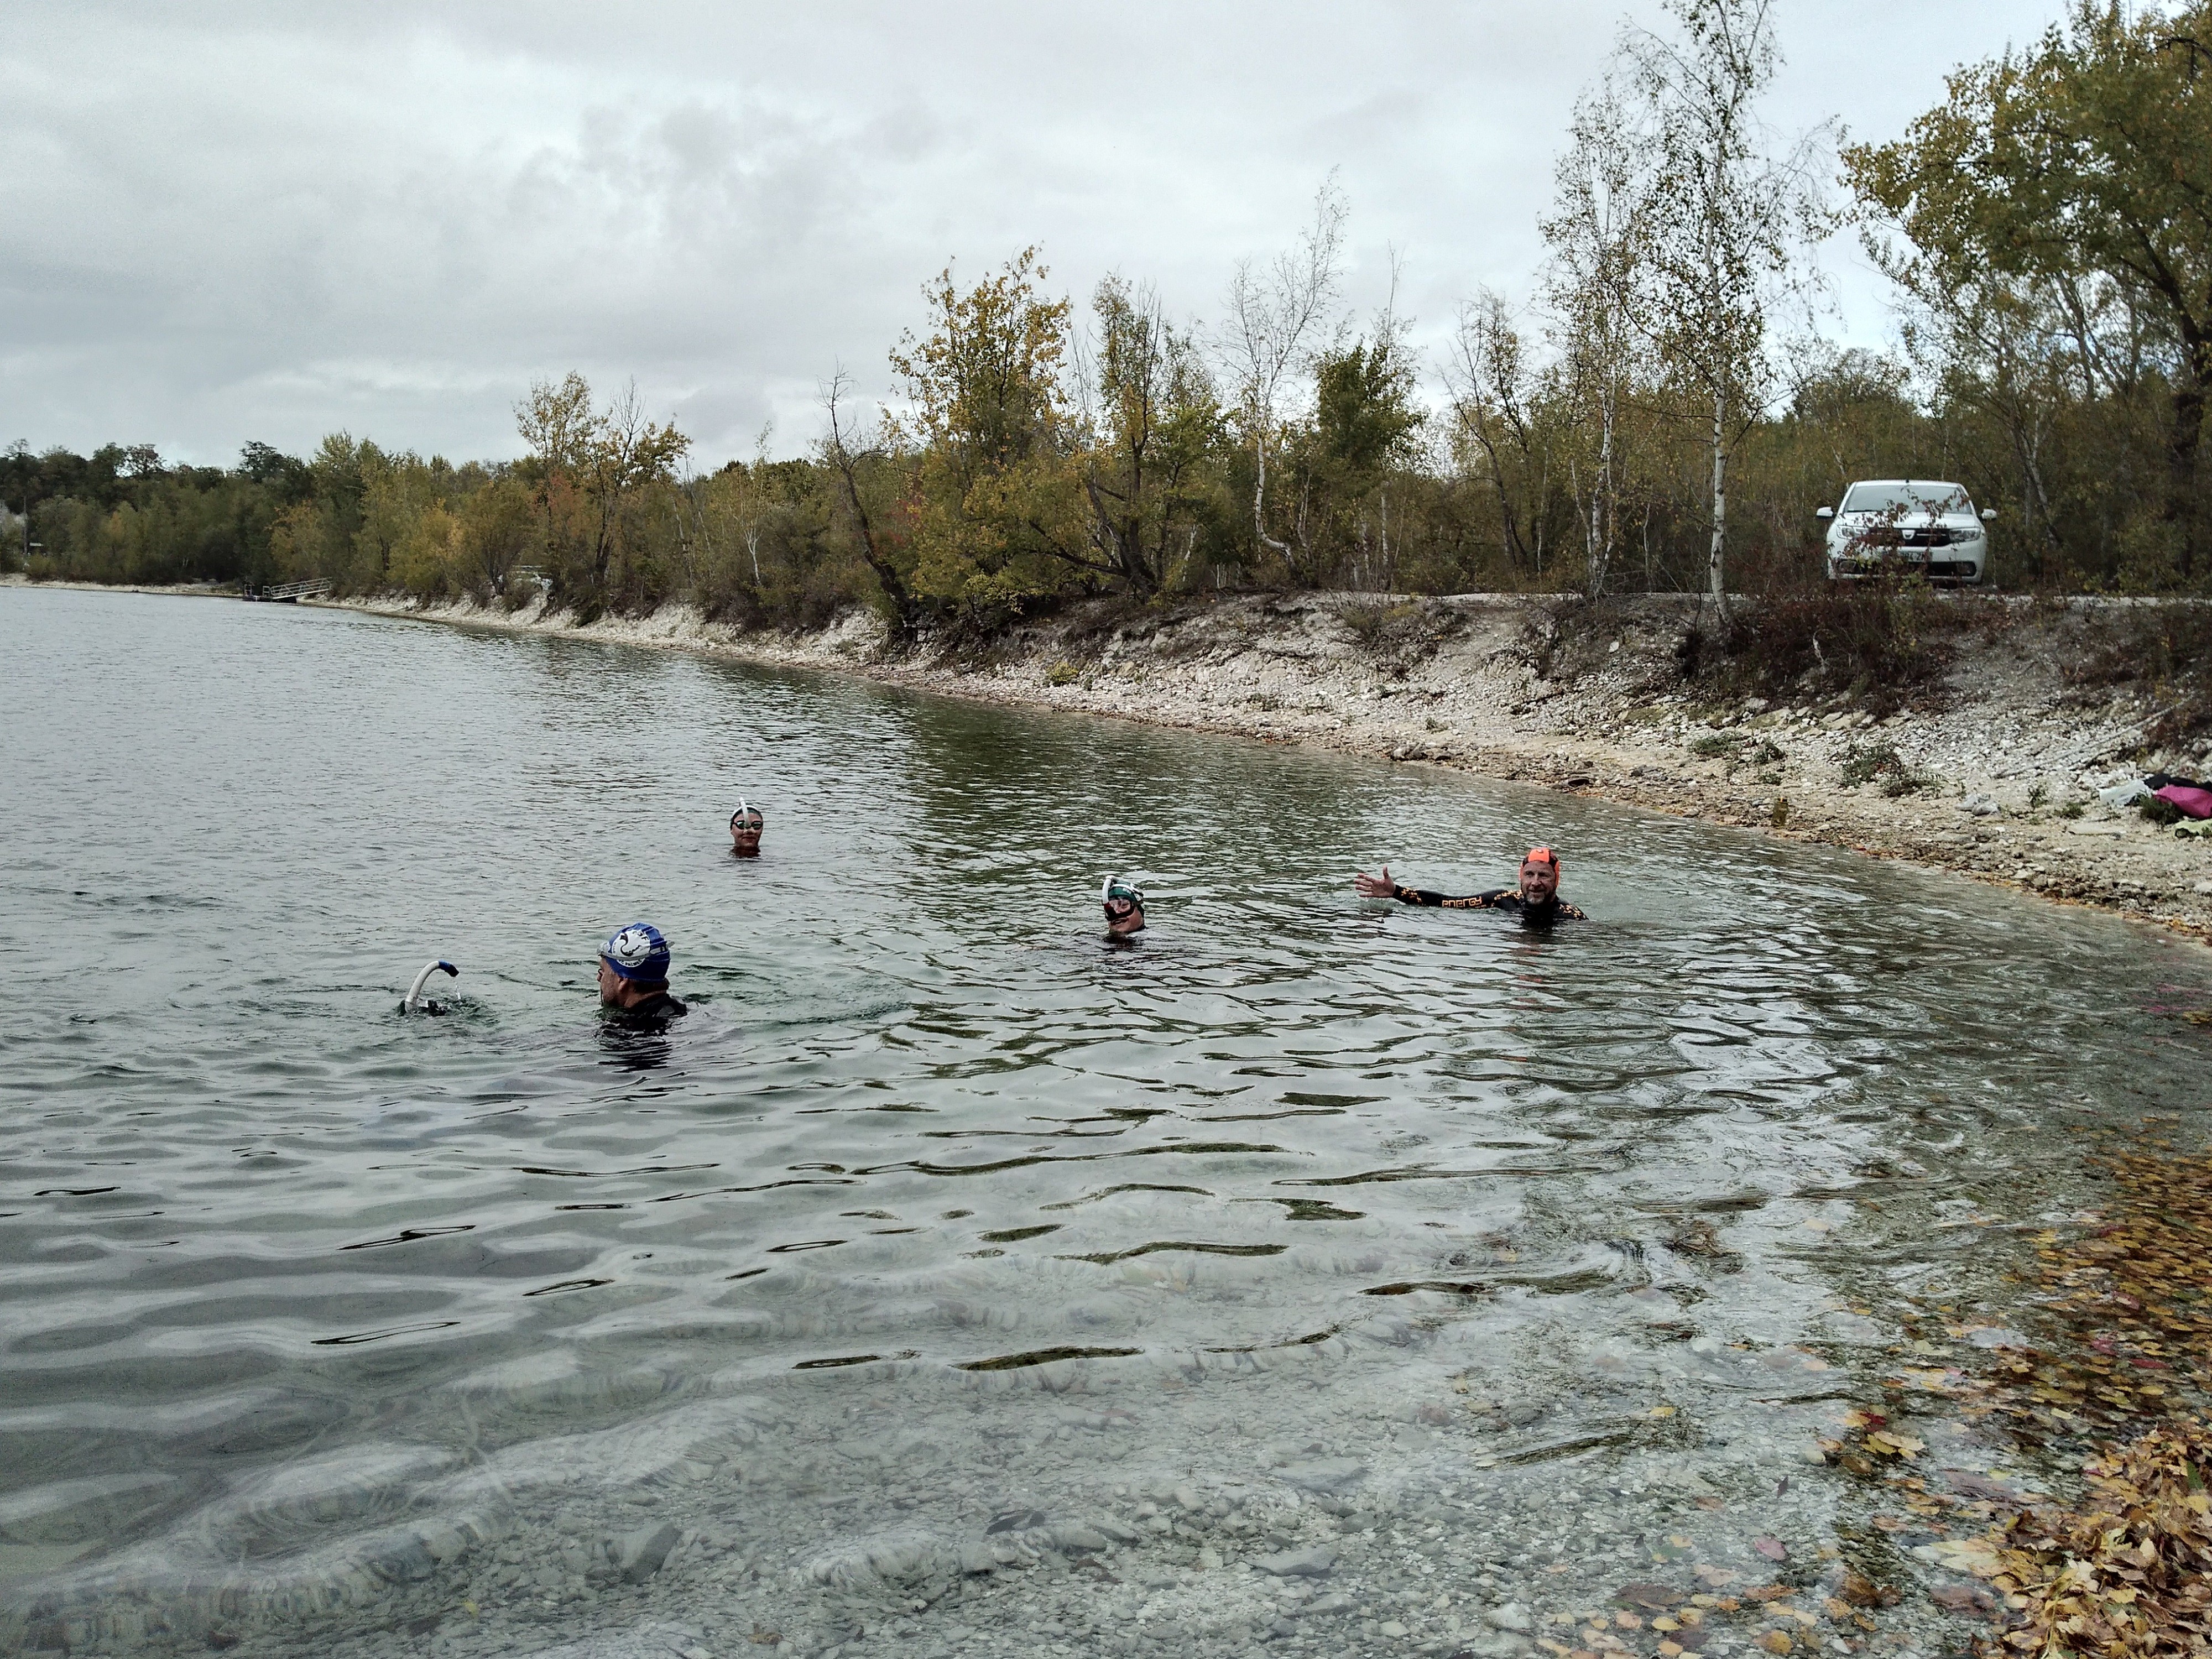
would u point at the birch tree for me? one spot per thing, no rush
(1725, 214)
(1599, 217)
(1276, 315)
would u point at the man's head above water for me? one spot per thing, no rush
(633, 966)
(745, 826)
(1124, 902)
(1536, 898)
(1540, 875)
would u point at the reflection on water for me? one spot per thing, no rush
(935, 1202)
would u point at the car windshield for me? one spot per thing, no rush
(1907, 498)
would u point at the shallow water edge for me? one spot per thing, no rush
(1282, 669)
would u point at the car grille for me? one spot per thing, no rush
(1891, 536)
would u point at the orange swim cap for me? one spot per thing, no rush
(1543, 855)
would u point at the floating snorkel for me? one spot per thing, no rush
(415, 1000)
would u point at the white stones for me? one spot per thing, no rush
(1327, 1475)
(1511, 1616)
(640, 1553)
(1315, 1561)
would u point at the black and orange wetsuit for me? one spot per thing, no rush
(1498, 898)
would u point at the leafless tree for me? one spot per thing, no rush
(1274, 315)
(906, 611)
(1491, 385)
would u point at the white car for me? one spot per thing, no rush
(1907, 527)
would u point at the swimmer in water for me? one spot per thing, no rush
(1536, 900)
(634, 977)
(1124, 907)
(745, 826)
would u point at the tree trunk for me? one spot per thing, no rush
(1715, 576)
(1602, 514)
(1123, 543)
(2183, 510)
(905, 611)
(1258, 504)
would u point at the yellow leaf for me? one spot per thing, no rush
(1660, 1411)
(1777, 1641)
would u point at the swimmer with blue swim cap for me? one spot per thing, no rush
(633, 976)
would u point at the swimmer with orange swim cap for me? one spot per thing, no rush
(1535, 900)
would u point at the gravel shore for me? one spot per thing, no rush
(2005, 757)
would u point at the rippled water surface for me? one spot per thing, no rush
(935, 1204)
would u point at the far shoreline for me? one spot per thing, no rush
(1289, 668)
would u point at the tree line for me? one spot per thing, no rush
(1657, 412)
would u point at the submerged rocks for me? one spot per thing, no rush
(1327, 1474)
(1315, 1561)
(640, 1553)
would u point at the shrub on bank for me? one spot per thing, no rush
(1879, 648)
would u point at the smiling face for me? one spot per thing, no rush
(1539, 879)
(1124, 916)
(745, 832)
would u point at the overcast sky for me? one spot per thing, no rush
(229, 222)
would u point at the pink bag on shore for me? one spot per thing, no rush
(2197, 803)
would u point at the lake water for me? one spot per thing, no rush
(949, 1280)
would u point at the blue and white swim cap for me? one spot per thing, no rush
(637, 951)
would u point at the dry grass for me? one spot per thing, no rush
(1876, 647)
(2163, 650)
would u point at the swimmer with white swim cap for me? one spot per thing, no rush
(745, 826)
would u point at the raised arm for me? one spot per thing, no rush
(1381, 886)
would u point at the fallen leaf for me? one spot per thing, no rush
(1777, 1641)
(1773, 1550)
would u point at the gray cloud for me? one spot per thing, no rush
(264, 221)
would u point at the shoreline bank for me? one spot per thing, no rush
(1488, 683)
